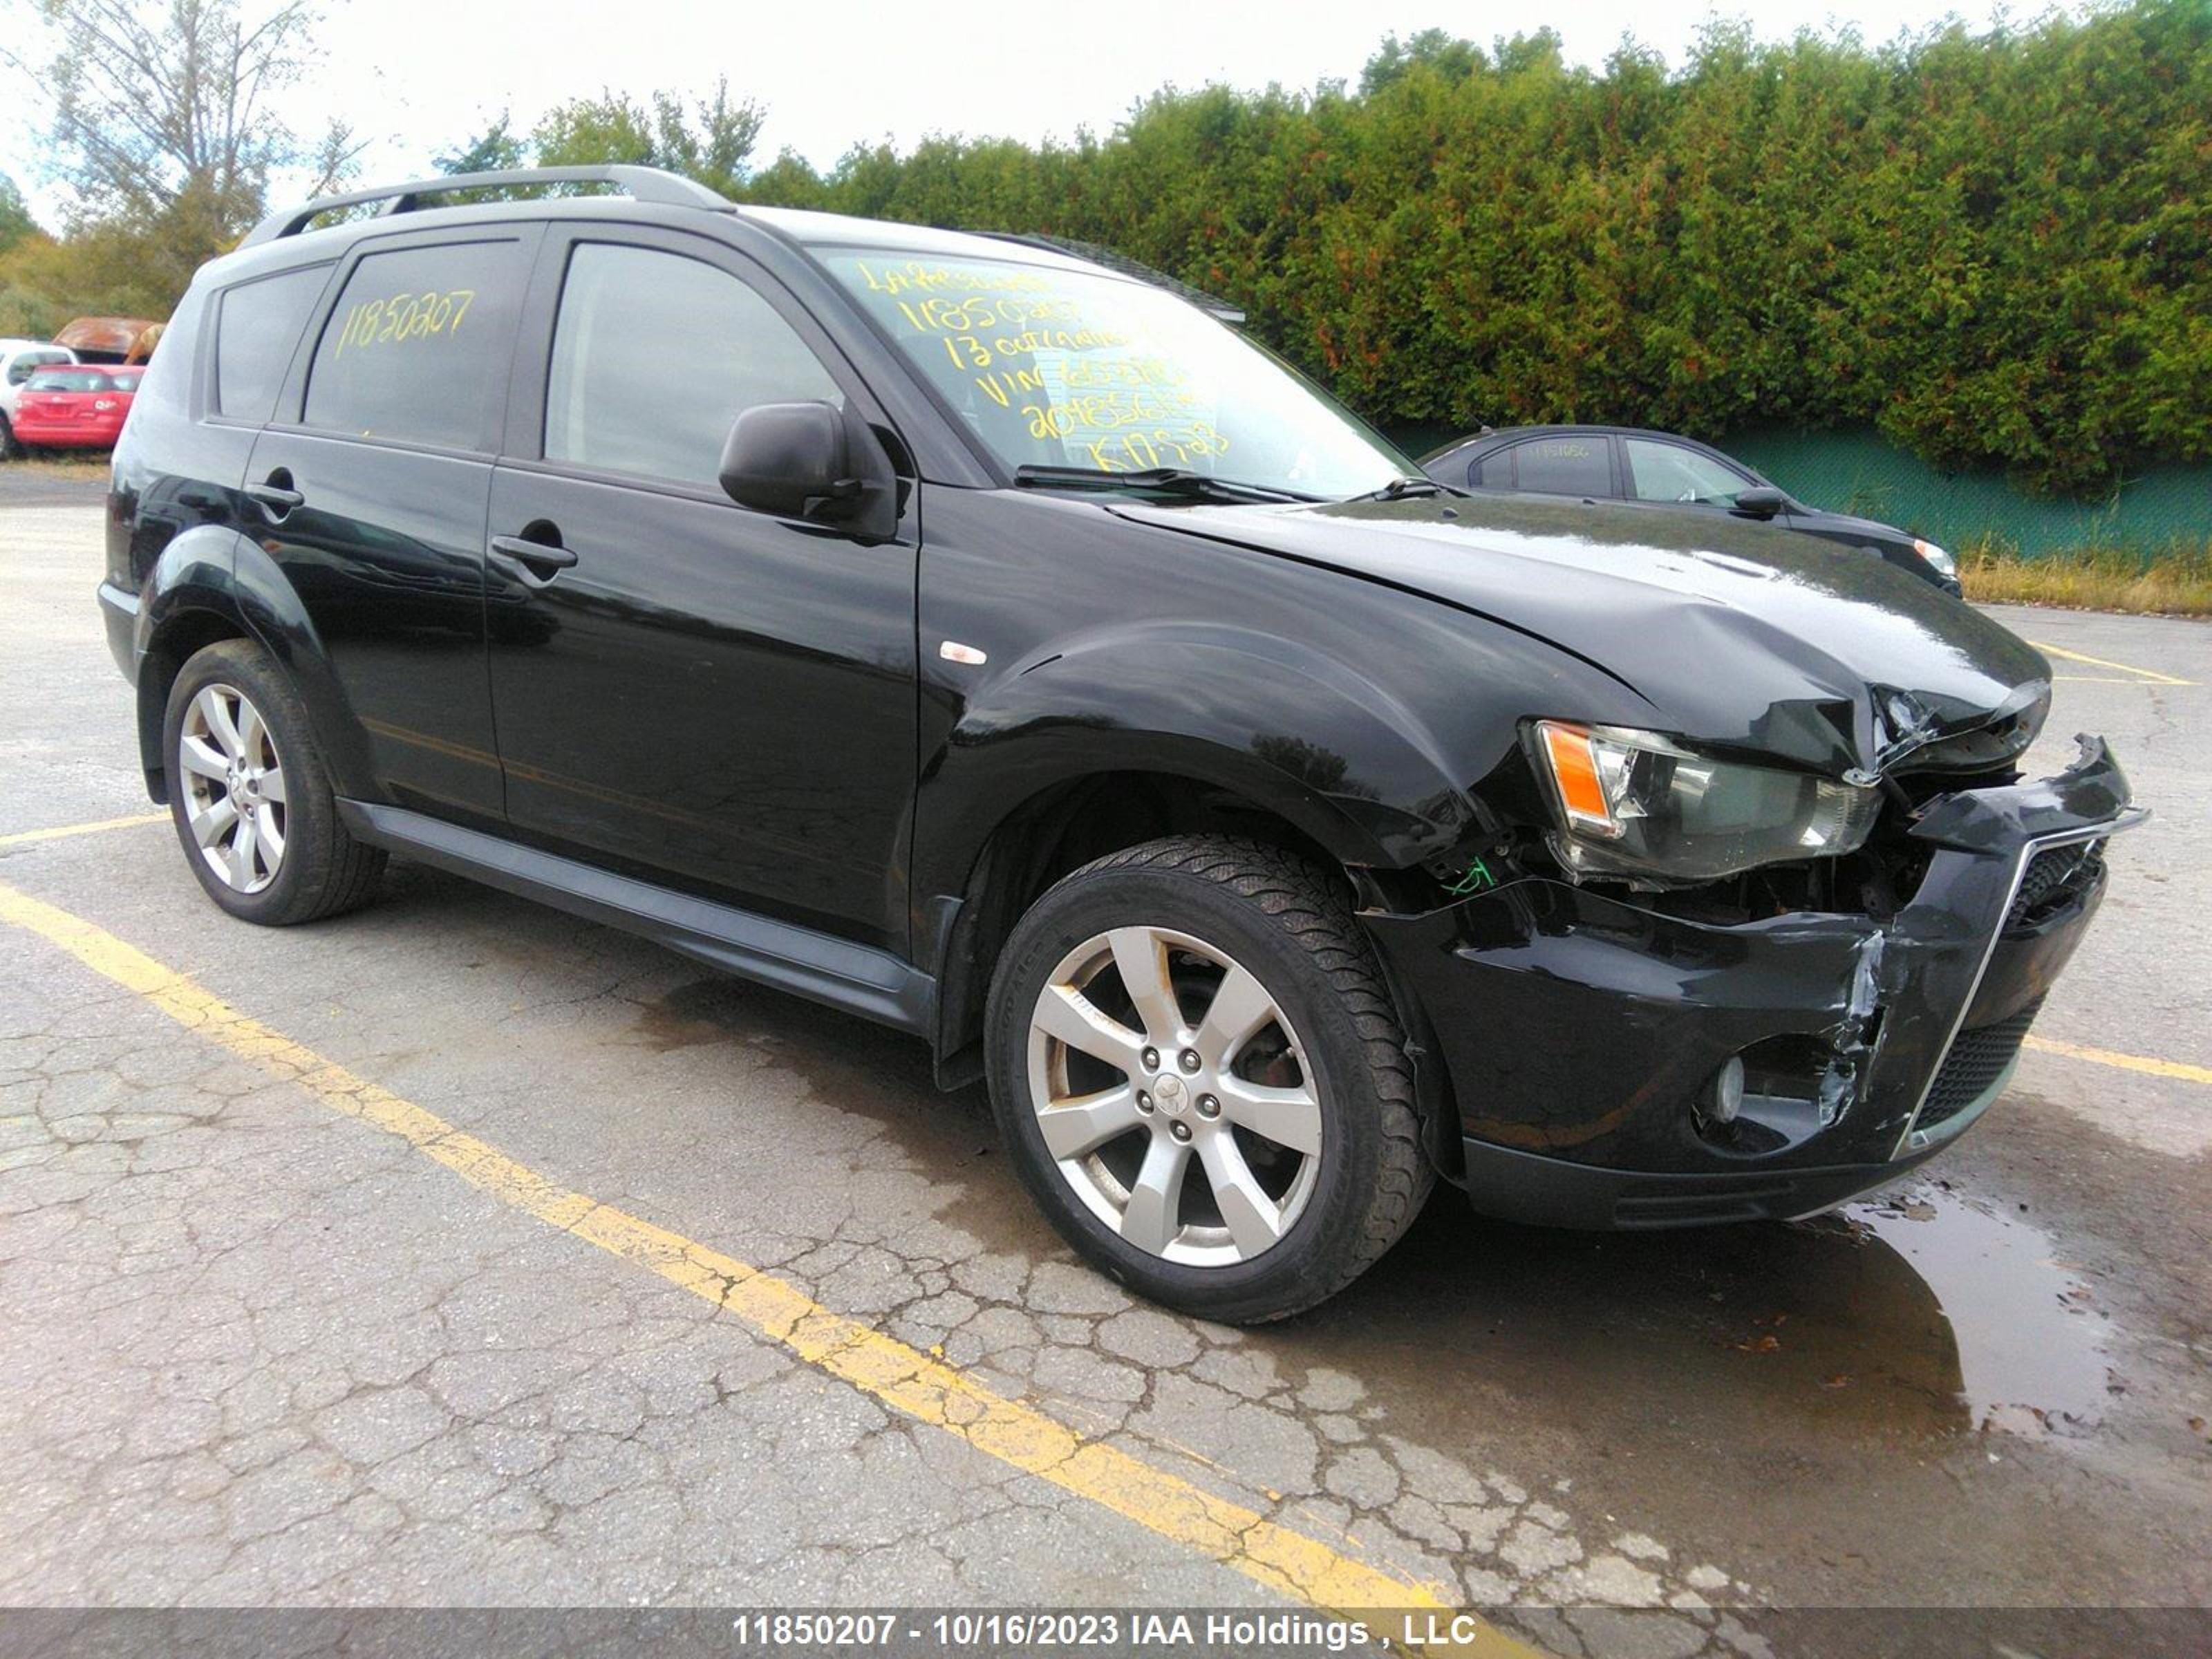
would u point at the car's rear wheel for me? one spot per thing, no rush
(10, 447)
(249, 796)
(1195, 1060)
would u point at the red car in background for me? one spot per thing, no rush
(75, 405)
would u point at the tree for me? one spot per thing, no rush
(15, 220)
(717, 147)
(712, 142)
(163, 121)
(610, 129)
(495, 149)
(1448, 55)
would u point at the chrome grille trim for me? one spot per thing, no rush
(2125, 821)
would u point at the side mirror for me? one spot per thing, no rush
(1760, 501)
(811, 461)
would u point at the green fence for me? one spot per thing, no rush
(1857, 471)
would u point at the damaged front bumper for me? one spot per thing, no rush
(1582, 1034)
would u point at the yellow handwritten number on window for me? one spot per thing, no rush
(398, 318)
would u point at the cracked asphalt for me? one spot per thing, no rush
(259, 1354)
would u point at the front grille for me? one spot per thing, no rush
(1977, 1059)
(2054, 879)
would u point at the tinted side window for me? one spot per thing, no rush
(418, 345)
(653, 357)
(1668, 472)
(1494, 471)
(256, 327)
(1564, 466)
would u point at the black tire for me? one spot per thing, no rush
(1291, 925)
(11, 449)
(322, 869)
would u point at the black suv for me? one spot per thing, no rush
(1664, 470)
(999, 648)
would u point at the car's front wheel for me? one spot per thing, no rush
(250, 797)
(1197, 1064)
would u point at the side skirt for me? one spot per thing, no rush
(856, 978)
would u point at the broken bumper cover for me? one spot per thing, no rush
(1582, 1033)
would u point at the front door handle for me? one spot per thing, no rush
(535, 562)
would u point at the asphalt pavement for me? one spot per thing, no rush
(457, 1253)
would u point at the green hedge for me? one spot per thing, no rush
(1992, 247)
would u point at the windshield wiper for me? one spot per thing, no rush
(1166, 480)
(1400, 488)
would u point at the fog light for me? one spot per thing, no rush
(1724, 1094)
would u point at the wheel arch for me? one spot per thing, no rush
(189, 602)
(1056, 830)
(211, 585)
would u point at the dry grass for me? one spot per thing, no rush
(93, 465)
(2176, 581)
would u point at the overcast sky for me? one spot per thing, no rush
(419, 77)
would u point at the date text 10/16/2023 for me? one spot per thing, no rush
(1281, 1632)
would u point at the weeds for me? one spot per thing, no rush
(2176, 581)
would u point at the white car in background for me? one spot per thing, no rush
(19, 360)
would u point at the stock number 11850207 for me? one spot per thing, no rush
(403, 316)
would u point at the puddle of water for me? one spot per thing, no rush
(1919, 1319)
(2031, 1341)
(698, 1014)
(1920, 1314)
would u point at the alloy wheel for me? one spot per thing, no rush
(1174, 1096)
(235, 802)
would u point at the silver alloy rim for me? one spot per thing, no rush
(1174, 1096)
(235, 802)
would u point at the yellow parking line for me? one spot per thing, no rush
(899, 1376)
(2172, 1068)
(23, 837)
(2143, 676)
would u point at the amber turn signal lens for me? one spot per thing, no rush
(1574, 772)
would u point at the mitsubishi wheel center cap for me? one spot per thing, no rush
(1168, 1091)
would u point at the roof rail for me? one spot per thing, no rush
(653, 185)
(1098, 254)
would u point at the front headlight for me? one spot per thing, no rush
(1637, 804)
(1941, 563)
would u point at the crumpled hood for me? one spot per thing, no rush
(1731, 632)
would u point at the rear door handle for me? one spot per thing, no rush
(276, 501)
(534, 563)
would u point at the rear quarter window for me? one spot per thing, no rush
(418, 346)
(257, 326)
(1564, 466)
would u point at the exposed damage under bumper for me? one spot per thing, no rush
(1582, 1033)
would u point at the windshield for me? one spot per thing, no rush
(1075, 368)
